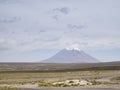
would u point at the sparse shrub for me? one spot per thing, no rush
(71, 81)
(65, 85)
(95, 82)
(75, 85)
(45, 84)
(60, 85)
(116, 78)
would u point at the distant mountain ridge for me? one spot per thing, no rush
(71, 56)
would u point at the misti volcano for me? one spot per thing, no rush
(71, 56)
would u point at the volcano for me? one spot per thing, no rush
(71, 56)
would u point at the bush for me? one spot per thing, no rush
(45, 84)
(116, 78)
(95, 82)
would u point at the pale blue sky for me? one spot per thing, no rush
(33, 30)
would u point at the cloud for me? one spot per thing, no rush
(58, 12)
(56, 17)
(10, 20)
(9, 1)
(2, 48)
(64, 10)
(53, 39)
(92, 44)
(6, 45)
(26, 42)
(71, 26)
(38, 29)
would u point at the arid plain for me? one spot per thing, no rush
(48, 76)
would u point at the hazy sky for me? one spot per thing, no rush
(33, 30)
